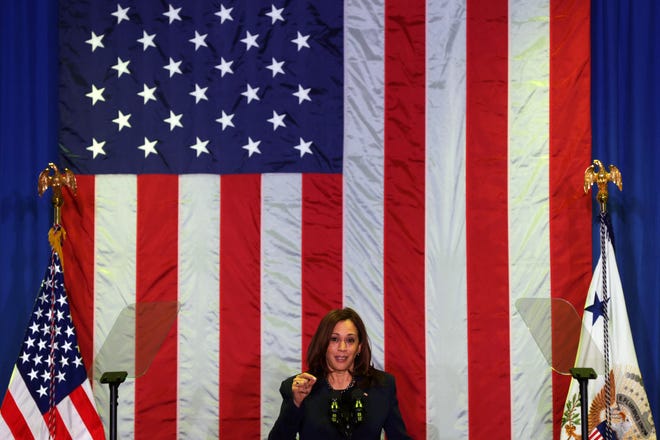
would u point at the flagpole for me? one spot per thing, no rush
(601, 177)
(52, 178)
(606, 322)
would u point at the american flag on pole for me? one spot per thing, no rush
(49, 395)
(263, 162)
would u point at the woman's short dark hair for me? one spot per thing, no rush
(318, 346)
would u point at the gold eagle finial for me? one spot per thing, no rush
(56, 180)
(601, 177)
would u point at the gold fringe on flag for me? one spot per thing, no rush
(56, 236)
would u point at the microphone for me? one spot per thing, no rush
(358, 412)
(334, 411)
(347, 410)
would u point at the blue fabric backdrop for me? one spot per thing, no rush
(28, 141)
(626, 132)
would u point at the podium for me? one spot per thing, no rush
(556, 327)
(136, 336)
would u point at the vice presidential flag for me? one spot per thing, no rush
(630, 413)
(260, 163)
(49, 394)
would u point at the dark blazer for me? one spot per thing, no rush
(312, 419)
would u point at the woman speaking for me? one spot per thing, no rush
(342, 395)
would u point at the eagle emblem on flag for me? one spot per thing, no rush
(631, 414)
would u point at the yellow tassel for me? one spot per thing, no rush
(56, 236)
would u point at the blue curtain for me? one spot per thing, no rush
(28, 141)
(626, 133)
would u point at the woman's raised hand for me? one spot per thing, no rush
(301, 387)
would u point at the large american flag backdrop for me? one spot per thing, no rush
(263, 162)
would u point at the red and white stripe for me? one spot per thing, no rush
(75, 415)
(595, 435)
(466, 135)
